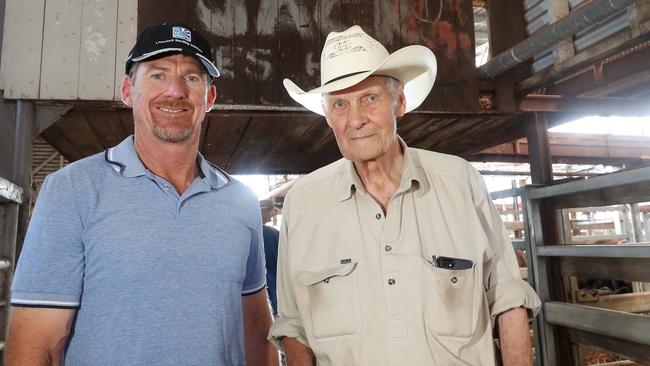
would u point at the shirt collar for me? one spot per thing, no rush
(125, 160)
(413, 175)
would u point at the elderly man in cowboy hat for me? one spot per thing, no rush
(392, 255)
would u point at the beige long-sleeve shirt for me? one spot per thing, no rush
(359, 288)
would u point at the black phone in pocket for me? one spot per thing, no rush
(451, 263)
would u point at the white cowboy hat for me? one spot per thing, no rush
(350, 56)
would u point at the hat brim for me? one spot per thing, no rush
(414, 66)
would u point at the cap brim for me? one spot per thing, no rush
(212, 69)
(209, 66)
(414, 66)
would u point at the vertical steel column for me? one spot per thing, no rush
(546, 352)
(637, 226)
(646, 226)
(533, 277)
(543, 230)
(10, 199)
(22, 164)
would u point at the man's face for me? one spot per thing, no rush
(363, 118)
(169, 97)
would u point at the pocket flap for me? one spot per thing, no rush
(312, 277)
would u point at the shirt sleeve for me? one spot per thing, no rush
(506, 290)
(288, 323)
(255, 279)
(51, 265)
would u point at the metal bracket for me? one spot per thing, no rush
(587, 296)
(47, 115)
(9, 192)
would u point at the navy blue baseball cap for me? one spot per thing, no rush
(165, 39)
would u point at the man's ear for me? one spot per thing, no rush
(127, 91)
(328, 122)
(326, 118)
(210, 98)
(400, 109)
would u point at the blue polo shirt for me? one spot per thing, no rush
(156, 277)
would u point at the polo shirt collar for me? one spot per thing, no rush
(125, 160)
(216, 177)
(412, 174)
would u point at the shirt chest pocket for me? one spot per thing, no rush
(333, 300)
(452, 301)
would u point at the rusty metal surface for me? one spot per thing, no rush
(613, 76)
(260, 42)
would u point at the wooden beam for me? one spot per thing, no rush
(587, 105)
(631, 303)
(47, 115)
(613, 268)
(595, 149)
(627, 327)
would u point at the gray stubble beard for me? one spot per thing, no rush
(166, 136)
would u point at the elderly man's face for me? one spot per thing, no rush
(363, 118)
(170, 97)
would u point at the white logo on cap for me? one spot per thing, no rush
(182, 33)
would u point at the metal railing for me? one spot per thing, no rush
(551, 262)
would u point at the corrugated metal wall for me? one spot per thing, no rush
(46, 160)
(66, 49)
(539, 13)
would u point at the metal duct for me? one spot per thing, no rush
(574, 22)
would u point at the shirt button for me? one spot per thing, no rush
(391, 281)
(388, 248)
(378, 216)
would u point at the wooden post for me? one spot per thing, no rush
(539, 152)
(557, 350)
(564, 49)
(507, 27)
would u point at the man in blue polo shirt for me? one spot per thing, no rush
(146, 254)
